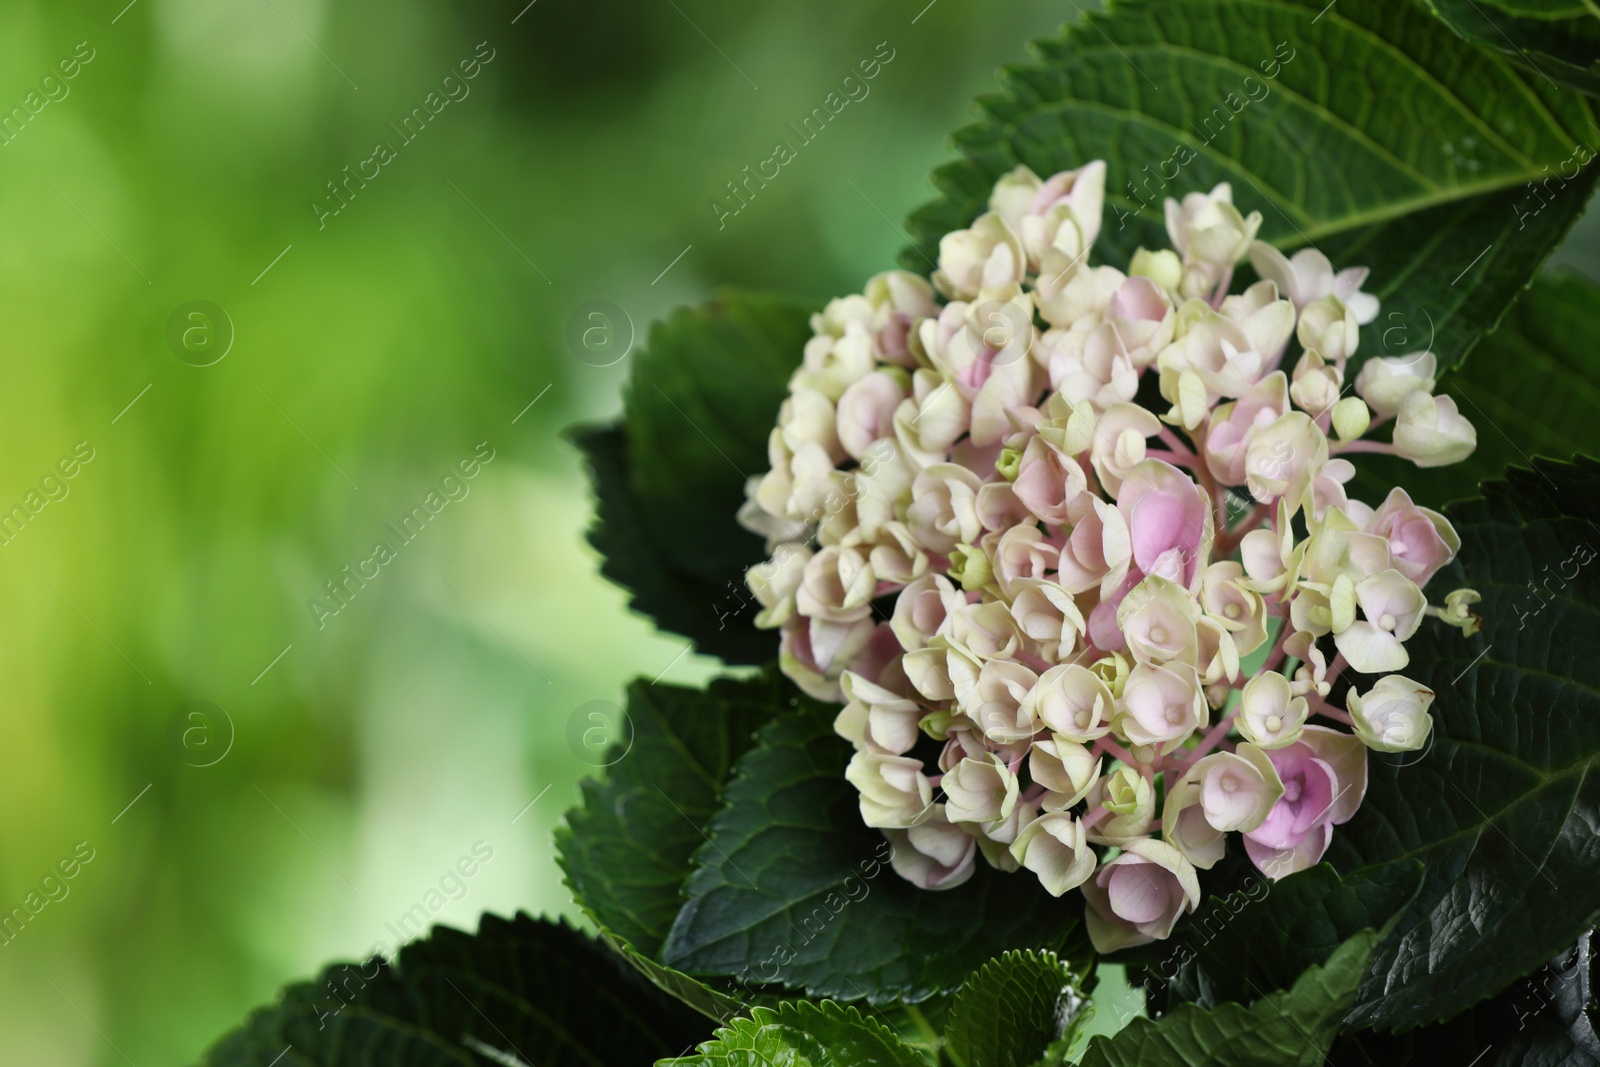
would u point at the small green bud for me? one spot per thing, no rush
(936, 724)
(1163, 267)
(970, 566)
(1009, 465)
(1351, 417)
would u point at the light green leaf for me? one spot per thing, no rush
(1292, 1028)
(1014, 1010)
(803, 1034)
(1366, 128)
(523, 990)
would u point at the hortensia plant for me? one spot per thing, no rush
(1035, 621)
(1143, 575)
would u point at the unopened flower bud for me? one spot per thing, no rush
(987, 256)
(1008, 464)
(1328, 327)
(1138, 897)
(1129, 798)
(1207, 229)
(936, 724)
(1163, 267)
(1056, 848)
(1430, 432)
(970, 566)
(1351, 418)
(1385, 381)
(980, 790)
(933, 854)
(894, 791)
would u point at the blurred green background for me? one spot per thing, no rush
(363, 757)
(377, 352)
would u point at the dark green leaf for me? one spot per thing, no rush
(1531, 388)
(1262, 937)
(792, 889)
(713, 1004)
(659, 587)
(1366, 128)
(1559, 40)
(1013, 1010)
(669, 479)
(1282, 1029)
(534, 990)
(804, 1034)
(1543, 1020)
(626, 850)
(1504, 808)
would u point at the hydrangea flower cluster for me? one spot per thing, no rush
(1029, 521)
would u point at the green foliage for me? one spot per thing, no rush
(1014, 1010)
(792, 889)
(711, 1003)
(803, 1034)
(670, 477)
(1367, 129)
(532, 989)
(1292, 1027)
(626, 850)
(1555, 39)
(1531, 388)
(1544, 1020)
(1502, 809)
(1265, 935)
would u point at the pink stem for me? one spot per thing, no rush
(1095, 816)
(1172, 442)
(1322, 707)
(1105, 744)
(1279, 652)
(1365, 446)
(1230, 539)
(1177, 459)
(1212, 739)
(1213, 492)
(1038, 663)
(1220, 293)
